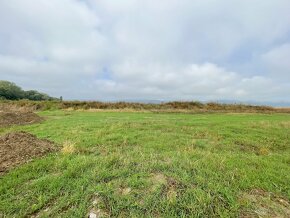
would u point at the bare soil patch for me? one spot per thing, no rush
(20, 147)
(264, 204)
(171, 187)
(18, 118)
(96, 211)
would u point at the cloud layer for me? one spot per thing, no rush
(143, 49)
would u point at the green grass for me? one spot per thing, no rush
(150, 165)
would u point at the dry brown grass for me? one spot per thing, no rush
(263, 204)
(181, 107)
(283, 109)
(68, 148)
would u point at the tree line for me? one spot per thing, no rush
(10, 91)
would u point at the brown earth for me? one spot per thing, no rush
(18, 118)
(20, 147)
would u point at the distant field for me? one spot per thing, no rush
(135, 164)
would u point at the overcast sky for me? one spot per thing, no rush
(145, 49)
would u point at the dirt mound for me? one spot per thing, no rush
(20, 147)
(18, 118)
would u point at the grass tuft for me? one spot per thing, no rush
(68, 147)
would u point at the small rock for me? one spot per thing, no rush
(92, 215)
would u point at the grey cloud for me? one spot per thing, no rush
(277, 61)
(156, 50)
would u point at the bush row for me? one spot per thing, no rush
(193, 106)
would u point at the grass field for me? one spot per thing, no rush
(130, 164)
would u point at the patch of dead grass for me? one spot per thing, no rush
(285, 124)
(259, 203)
(68, 148)
(171, 187)
(124, 190)
(263, 151)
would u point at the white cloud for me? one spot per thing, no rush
(175, 49)
(206, 81)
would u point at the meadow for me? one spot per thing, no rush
(146, 164)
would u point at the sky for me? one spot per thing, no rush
(144, 49)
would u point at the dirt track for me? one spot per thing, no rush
(21, 147)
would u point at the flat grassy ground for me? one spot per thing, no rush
(149, 164)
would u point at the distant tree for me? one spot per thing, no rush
(36, 96)
(60, 98)
(9, 90)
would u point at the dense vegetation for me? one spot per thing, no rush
(128, 164)
(184, 107)
(12, 95)
(11, 91)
